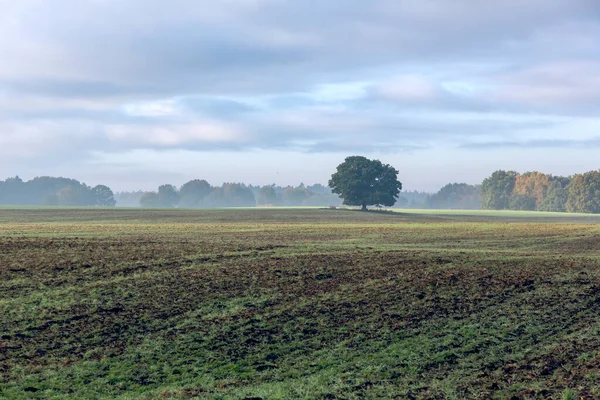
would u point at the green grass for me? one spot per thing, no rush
(497, 213)
(298, 304)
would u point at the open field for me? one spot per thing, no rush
(299, 304)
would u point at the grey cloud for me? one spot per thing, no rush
(565, 87)
(538, 143)
(74, 88)
(72, 114)
(271, 45)
(323, 130)
(219, 107)
(309, 130)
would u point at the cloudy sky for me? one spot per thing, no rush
(138, 93)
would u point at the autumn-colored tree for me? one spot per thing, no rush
(534, 185)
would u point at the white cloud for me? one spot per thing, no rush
(407, 88)
(336, 92)
(158, 108)
(175, 135)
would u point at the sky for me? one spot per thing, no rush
(138, 93)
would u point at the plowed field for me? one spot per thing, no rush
(297, 304)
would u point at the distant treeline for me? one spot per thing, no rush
(509, 190)
(49, 191)
(459, 196)
(503, 190)
(200, 194)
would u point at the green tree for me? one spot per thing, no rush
(237, 195)
(584, 193)
(456, 196)
(296, 196)
(103, 196)
(363, 182)
(522, 202)
(267, 196)
(497, 190)
(75, 196)
(557, 196)
(168, 196)
(150, 200)
(193, 192)
(231, 195)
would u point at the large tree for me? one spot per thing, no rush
(363, 182)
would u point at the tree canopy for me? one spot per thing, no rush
(584, 193)
(358, 181)
(103, 196)
(497, 190)
(267, 196)
(456, 196)
(193, 192)
(530, 191)
(363, 182)
(51, 191)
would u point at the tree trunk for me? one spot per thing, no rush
(364, 207)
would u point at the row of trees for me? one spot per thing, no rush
(509, 190)
(357, 181)
(363, 182)
(199, 193)
(459, 196)
(50, 191)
